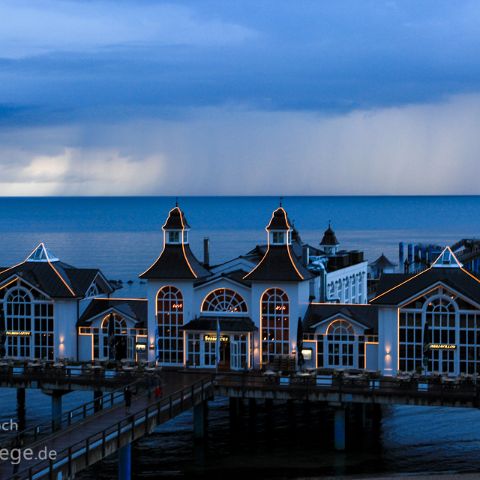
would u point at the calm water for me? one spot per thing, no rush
(122, 236)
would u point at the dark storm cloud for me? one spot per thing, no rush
(248, 97)
(118, 59)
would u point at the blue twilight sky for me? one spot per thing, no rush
(239, 97)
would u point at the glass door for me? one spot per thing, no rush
(238, 352)
(235, 355)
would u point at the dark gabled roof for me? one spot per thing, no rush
(135, 308)
(382, 262)
(176, 220)
(394, 289)
(366, 315)
(279, 220)
(279, 264)
(227, 324)
(56, 279)
(329, 237)
(176, 262)
(82, 278)
(388, 281)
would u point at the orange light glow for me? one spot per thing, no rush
(164, 243)
(365, 354)
(268, 246)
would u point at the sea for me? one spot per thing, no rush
(122, 236)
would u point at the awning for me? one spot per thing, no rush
(209, 324)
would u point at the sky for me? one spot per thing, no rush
(250, 97)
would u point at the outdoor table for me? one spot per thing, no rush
(270, 375)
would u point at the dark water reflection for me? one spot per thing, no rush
(298, 444)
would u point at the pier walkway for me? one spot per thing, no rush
(111, 430)
(65, 378)
(345, 388)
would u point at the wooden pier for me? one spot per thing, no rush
(103, 427)
(342, 389)
(81, 444)
(64, 378)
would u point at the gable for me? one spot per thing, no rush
(322, 326)
(458, 279)
(419, 300)
(239, 263)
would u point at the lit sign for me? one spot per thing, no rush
(281, 307)
(213, 338)
(17, 333)
(307, 354)
(442, 346)
(141, 347)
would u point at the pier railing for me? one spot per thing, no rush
(81, 454)
(433, 390)
(71, 417)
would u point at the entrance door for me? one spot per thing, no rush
(225, 354)
(238, 352)
(120, 347)
(442, 361)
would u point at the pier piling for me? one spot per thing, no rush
(56, 409)
(125, 462)
(200, 413)
(339, 429)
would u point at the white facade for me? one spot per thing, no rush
(348, 285)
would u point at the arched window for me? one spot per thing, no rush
(340, 344)
(170, 319)
(19, 309)
(120, 324)
(121, 344)
(224, 300)
(29, 321)
(275, 309)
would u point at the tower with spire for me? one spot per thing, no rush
(280, 285)
(170, 281)
(329, 241)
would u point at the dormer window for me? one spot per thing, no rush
(278, 238)
(185, 236)
(173, 237)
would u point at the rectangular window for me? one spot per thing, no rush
(174, 237)
(278, 238)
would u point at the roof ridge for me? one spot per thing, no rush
(62, 279)
(400, 284)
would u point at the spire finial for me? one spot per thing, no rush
(176, 201)
(329, 224)
(281, 201)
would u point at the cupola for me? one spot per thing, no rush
(278, 229)
(176, 260)
(279, 263)
(176, 228)
(329, 241)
